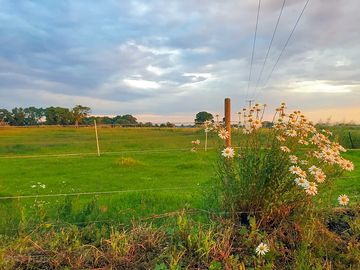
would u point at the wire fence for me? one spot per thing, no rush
(111, 192)
(108, 141)
(96, 193)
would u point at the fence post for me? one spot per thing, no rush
(351, 141)
(206, 139)
(97, 139)
(228, 121)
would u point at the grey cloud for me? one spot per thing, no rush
(87, 49)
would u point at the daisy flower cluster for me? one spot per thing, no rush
(294, 130)
(251, 119)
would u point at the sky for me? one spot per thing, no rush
(167, 60)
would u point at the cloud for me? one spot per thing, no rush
(177, 57)
(142, 84)
(320, 87)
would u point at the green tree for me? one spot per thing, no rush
(33, 115)
(201, 117)
(126, 119)
(18, 117)
(79, 112)
(58, 116)
(5, 117)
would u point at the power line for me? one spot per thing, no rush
(253, 48)
(286, 43)
(269, 48)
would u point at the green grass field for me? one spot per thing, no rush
(158, 162)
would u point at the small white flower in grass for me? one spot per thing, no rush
(302, 174)
(285, 149)
(33, 186)
(197, 142)
(280, 138)
(343, 199)
(302, 182)
(304, 162)
(314, 170)
(293, 159)
(262, 249)
(347, 165)
(311, 189)
(302, 141)
(247, 131)
(43, 186)
(295, 169)
(223, 134)
(291, 133)
(320, 177)
(228, 152)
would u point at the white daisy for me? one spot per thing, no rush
(311, 189)
(343, 199)
(293, 159)
(302, 182)
(285, 149)
(228, 152)
(223, 134)
(291, 133)
(262, 249)
(320, 177)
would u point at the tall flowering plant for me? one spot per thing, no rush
(276, 169)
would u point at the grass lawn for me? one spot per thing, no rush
(132, 159)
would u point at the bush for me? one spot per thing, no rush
(277, 175)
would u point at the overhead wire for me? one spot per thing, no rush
(253, 48)
(286, 44)
(269, 48)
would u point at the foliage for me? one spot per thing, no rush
(182, 243)
(281, 173)
(202, 117)
(79, 112)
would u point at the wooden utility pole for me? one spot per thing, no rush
(228, 121)
(250, 101)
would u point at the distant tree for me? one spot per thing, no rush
(33, 115)
(18, 117)
(148, 124)
(58, 116)
(79, 112)
(126, 119)
(168, 124)
(106, 120)
(5, 117)
(201, 117)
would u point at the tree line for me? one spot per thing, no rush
(79, 115)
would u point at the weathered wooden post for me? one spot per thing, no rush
(228, 121)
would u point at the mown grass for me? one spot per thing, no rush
(146, 158)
